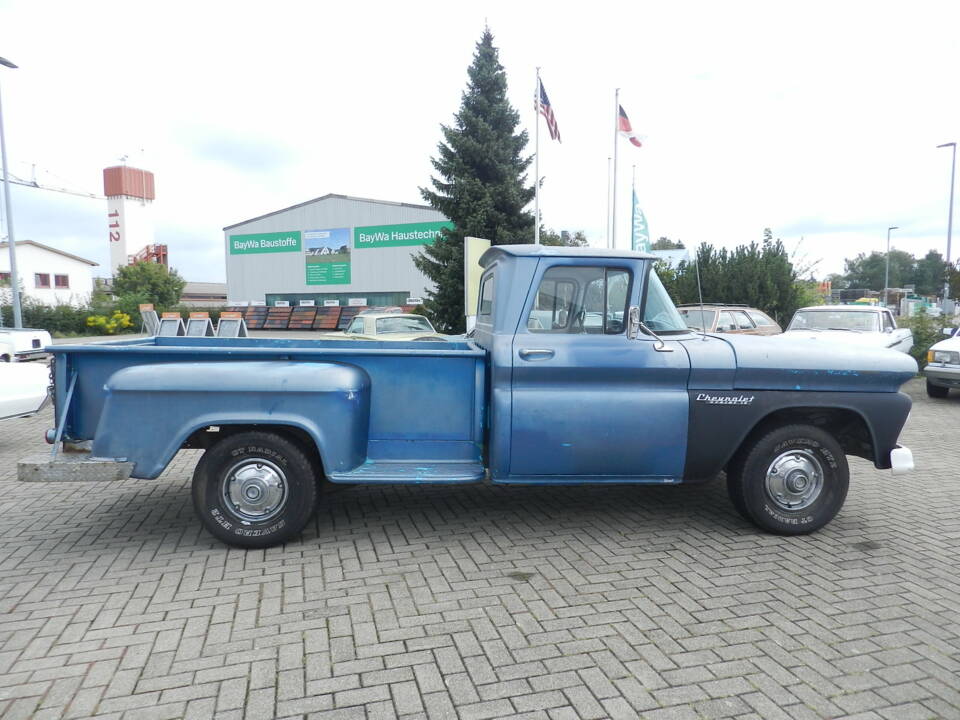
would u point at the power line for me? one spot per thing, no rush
(14, 180)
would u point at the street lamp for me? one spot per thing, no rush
(953, 169)
(11, 240)
(886, 275)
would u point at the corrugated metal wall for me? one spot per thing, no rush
(387, 269)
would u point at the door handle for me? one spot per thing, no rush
(536, 353)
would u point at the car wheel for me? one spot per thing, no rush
(937, 391)
(791, 480)
(254, 489)
(5, 358)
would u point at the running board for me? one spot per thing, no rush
(411, 472)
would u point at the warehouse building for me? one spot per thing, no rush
(331, 250)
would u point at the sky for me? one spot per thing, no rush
(819, 120)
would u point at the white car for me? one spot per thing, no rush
(861, 325)
(389, 326)
(27, 344)
(23, 388)
(943, 365)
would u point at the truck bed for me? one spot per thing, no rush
(427, 399)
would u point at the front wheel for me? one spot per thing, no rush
(937, 391)
(790, 481)
(254, 489)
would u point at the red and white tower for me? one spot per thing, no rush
(130, 193)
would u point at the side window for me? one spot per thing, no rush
(743, 322)
(577, 299)
(356, 326)
(485, 306)
(888, 323)
(725, 322)
(760, 319)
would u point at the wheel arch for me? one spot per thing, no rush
(206, 435)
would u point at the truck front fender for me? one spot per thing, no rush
(150, 410)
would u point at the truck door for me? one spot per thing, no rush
(588, 403)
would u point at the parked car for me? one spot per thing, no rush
(7, 351)
(943, 365)
(858, 325)
(28, 344)
(390, 326)
(738, 319)
(23, 388)
(636, 398)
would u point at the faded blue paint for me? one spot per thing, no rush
(600, 409)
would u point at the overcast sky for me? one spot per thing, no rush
(818, 120)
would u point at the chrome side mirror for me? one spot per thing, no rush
(633, 324)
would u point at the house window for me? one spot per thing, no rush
(61, 281)
(41, 280)
(4, 279)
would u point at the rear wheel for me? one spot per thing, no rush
(254, 489)
(937, 391)
(790, 481)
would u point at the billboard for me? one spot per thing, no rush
(376, 236)
(265, 242)
(327, 254)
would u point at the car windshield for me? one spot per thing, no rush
(403, 325)
(854, 320)
(697, 318)
(659, 312)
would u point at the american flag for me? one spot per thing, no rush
(625, 128)
(545, 109)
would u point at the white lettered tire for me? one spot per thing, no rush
(254, 489)
(791, 480)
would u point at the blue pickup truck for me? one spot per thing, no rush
(579, 370)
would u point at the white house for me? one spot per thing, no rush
(49, 275)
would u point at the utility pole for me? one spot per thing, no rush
(11, 237)
(953, 170)
(886, 275)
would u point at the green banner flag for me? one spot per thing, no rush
(640, 235)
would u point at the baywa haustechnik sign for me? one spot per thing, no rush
(327, 252)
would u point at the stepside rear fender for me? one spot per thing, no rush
(150, 410)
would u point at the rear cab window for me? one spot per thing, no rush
(485, 302)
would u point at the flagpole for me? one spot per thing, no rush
(606, 239)
(536, 164)
(633, 208)
(616, 129)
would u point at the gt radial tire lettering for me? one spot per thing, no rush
(261, 531)
(221, 520)
(787, 520)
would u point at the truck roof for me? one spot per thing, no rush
(528, 250)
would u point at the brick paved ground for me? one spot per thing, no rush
(485, 602)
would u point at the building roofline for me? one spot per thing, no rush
(51, 249)
(328, 196)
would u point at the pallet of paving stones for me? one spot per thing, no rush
(256, 316)
(277, 318)
(302, 318)
(327, 318)
(347, 314)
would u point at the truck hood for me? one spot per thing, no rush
(750, 362)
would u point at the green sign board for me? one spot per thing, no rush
(265, 243)
(327, 256)
(377, 236)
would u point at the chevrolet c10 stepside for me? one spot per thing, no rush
(579, 370)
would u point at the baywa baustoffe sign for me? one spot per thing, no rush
(327, 256)
(272, 242)
(376, 236)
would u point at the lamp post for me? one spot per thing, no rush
(886, 275)
(953, 170)
(11, 239)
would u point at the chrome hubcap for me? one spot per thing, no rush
(794, 480)
(255, 489)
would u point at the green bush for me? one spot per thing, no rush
(927, 330)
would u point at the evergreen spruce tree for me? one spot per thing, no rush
(481, 184)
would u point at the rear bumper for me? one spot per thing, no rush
(943, 375)
(71, 467)
(901, 460)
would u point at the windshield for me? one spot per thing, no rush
(659, 313)
(403, 325)
(854, 320)
(697, 318)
